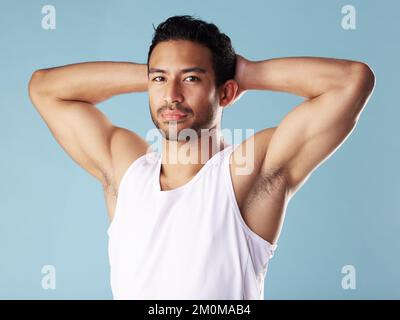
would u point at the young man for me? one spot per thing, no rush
(197, 226)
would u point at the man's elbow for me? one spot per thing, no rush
(36, 79)
(362, 77)
(359, 88)
(36, 84)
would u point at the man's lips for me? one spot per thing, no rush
(173, 115)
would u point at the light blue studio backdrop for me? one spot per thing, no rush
(53, 212)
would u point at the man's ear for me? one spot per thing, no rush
(227, 93)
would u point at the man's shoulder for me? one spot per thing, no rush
(126, 147)
(252, 150)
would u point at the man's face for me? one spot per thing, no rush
(181, 87)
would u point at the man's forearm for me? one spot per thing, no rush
(91, 82)
(304, 76)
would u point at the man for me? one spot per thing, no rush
(196, 226)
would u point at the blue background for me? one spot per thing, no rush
(53, 212)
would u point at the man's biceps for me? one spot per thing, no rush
(85, 134)
(315, 151)
(286, 140)
(311, 129)
(90, 158)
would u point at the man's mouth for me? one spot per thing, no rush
(173, 115)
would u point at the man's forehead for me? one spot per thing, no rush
(180, 55)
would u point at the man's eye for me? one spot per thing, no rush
(159, 77)
(193, 78)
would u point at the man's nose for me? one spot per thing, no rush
(173, 93)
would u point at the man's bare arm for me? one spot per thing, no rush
(336, 91)
(65, 97)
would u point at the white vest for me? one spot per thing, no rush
(187, 243)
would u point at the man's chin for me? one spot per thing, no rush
(179, 132)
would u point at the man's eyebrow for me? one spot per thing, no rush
(187, 70)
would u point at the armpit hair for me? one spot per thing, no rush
(269, 183)
(109, 185)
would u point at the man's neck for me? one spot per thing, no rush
(183, 159)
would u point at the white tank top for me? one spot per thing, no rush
(186, 243)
